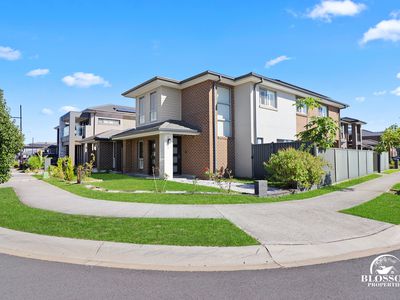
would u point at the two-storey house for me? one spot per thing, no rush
(81, 134)
(210, 121)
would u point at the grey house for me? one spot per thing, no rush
(81, 134)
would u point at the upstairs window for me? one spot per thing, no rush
(153, 107)
(112, 122)
(268, 98)
(323, 111)
(141, 110)
(224, 111)
(303, 110)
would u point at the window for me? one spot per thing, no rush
(284, 141)
(65, 131)
(224, 111)
(113, 122)
(323, 111)
(141, 110)
(260, 141)
(268, 98)
(153, 107)
(302, 110)
(140, 155)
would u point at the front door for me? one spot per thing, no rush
(152, 157)
(177, 155)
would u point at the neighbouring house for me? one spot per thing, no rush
(81, 134)
(46, 148)
(351, 133)
(210, 120)
(371, 139)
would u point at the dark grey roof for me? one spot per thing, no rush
(367, 133)
(276, 81)
(352, 120)
(39, 145)
(167, 126)
(112, 108)
(104, 136)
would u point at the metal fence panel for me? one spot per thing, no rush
(330, 169)
(370, 162)
(362, 163)
(342, 166)
(353, 163)
(384, 161)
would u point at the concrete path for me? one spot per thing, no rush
(301, 222)
(291, 233)
(39, 194)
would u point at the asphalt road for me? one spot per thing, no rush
(32, 279)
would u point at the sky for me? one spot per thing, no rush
(62, 55)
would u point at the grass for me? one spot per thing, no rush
(202, 199)
(385, 208)
(128, 183)
(182, 232)
(391, 171)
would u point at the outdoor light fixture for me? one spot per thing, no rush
(169, 141)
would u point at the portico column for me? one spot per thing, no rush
(166, 155)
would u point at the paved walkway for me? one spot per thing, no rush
(310, 221)
(291, 233)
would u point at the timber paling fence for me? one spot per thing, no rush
(343, 164)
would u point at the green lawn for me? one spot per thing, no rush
(391, 171)
(182, 232)
(128, 183)
(201, 199)
(385, 208)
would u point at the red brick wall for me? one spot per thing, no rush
(197, 111)
(197, 151)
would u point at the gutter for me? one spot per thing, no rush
(214, 104)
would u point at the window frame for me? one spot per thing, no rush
(320, 112)
(260, 139)
(229, 121)
(140, 154)
(142, 117)
(103, 121)
(153, 113)
(260, 98)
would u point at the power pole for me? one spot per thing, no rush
(20, 118)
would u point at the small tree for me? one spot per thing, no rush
(390, 139)
(68, 169)
(11, 140)
(319, 131)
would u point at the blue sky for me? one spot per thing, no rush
(56, 54)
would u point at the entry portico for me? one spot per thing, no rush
(155, 148)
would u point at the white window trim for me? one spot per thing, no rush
(142, 117)
(327, 111)
(266, 106)
(111, 119)
(230, 114)
(153, 113)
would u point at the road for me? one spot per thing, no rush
(22, 278)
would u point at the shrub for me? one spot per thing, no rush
(68, 169)
(295, 168)
(57, 171)
(36, 162)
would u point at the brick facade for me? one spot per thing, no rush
(197, 151)
(130, 155)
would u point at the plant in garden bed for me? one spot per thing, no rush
(36, 162)
(296, 168)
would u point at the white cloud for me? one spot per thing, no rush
(47, 111)
(398, 75)
(380, 93)
(395, 14)
(360, 99)
(396, 91)
(327, 9)
(9, 53)
(276, 61)
(38, 72)
(68, 108)
(387, 30)
(84, 80)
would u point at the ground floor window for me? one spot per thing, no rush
(140, 155)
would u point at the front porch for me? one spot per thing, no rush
(157, 150)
